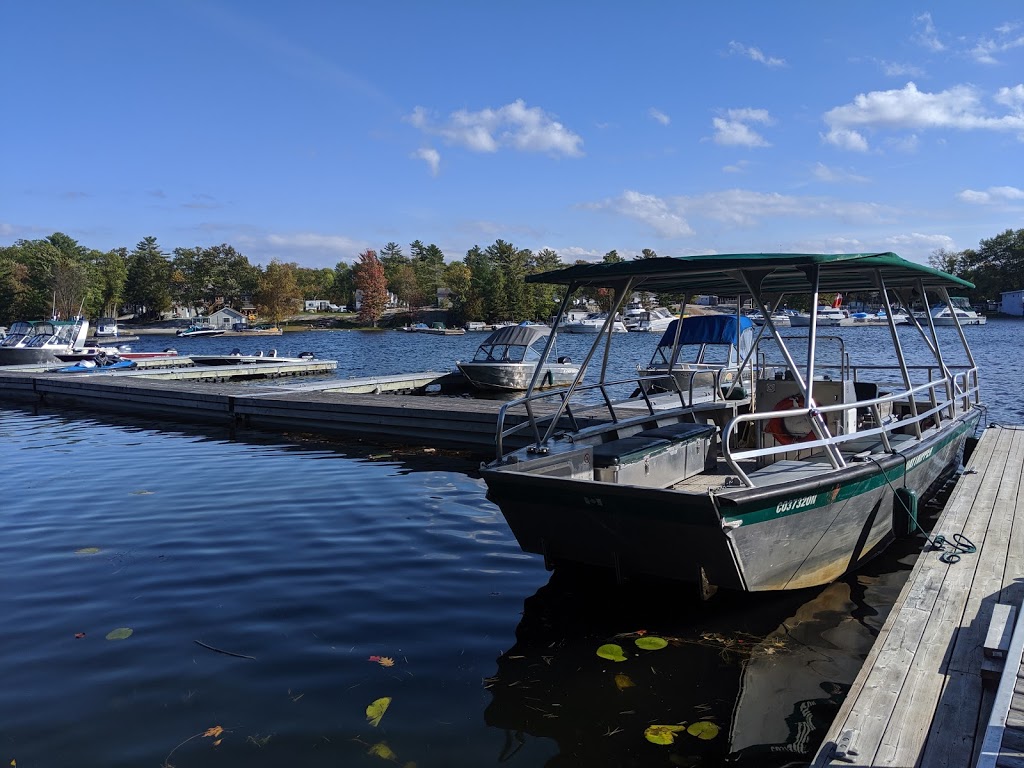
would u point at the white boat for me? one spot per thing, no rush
(780, 319)
(106, 328)
(649, 320)
(826, 316)
(200, 330)
(593, 323)
(508, 358)
(791, 484)
(879, 318)
(943, 314)
(702, 357)
(41, 341)
(235, 357)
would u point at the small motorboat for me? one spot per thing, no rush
(101, 361)
(200, 330)
(507, 360)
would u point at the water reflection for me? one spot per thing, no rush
(769, 671)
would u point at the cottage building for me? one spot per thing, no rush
(1012, 303)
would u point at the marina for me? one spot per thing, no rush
(186, 495)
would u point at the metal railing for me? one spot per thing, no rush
(964, 385)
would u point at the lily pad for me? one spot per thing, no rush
(612, 652)
(663, 734)
(703, 729)
(121, 633)
(651, 643)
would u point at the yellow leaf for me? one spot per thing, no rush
(213, 732)
(386, 661)
(703, 729)
(382, 750)
(662, 734)
(622, 682)
(217, 742)
(376, 710)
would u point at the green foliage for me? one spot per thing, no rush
(278, 293)
(147, 285)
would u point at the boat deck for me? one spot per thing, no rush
(921, 698)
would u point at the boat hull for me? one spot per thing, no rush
(30, 355)
(516, 376)
(787, 536)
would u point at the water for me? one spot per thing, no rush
(313, 557)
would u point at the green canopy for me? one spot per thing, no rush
(768, 273)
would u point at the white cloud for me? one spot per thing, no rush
(431, 157)
(744, 207)
(908, 108)
(659, 116)
(926, 34)
(313, 241)
(899, 69)
(650, 210)
(737, 167)
(992, 195)
(985, 50)
(733, 130)
(755, 54)
(513, 126)
(824, 173)
(846, 139)
(917, 241)
(1011, 97)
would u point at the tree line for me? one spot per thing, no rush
(996, 265)
(58, 276)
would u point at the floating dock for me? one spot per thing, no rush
(943, 684)
(206, 395)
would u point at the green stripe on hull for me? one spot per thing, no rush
(751, 515)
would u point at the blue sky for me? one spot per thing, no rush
(309, 131)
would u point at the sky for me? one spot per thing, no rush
(310, 131)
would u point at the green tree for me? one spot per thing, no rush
(277, 294)
(342, 287)
(147, 285)
(370, 280)
(394, 261)
(459, 280)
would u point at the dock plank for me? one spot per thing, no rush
(921, 684)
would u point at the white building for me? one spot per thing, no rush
(226, 317)
(1012, 303)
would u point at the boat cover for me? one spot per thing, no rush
(705, 329)
(515, 335)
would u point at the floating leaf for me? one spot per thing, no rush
(650, 643)
(622, 682)
(88, 551)
(121, 633)
(703, 729)
(213, 732)
(382, 750)
(662, 734)
(376, 710)
(612, 652)
(386, 661)
(217, 742)
(79, 635)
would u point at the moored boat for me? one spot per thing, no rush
(41, 341)
(654, 320)
(507, 360)
(958, 312)
(593, 323)
(200, 330)
(789, 485)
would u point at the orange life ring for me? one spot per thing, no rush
(777, 427)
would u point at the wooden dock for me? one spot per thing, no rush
(922, 698)
(336, 407)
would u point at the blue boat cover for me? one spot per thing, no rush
(706, 329)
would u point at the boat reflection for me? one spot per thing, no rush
(769, 673)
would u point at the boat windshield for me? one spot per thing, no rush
(504, 353)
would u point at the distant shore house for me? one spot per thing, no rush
(1012, 303)
(321, 305)
(393, 301)
(226, 317)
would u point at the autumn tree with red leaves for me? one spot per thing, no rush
(370, 279)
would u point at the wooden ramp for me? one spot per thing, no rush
(920, 699)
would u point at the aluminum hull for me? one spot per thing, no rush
(786, 536)
(515, 376)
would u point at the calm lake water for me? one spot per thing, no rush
(327, 561)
